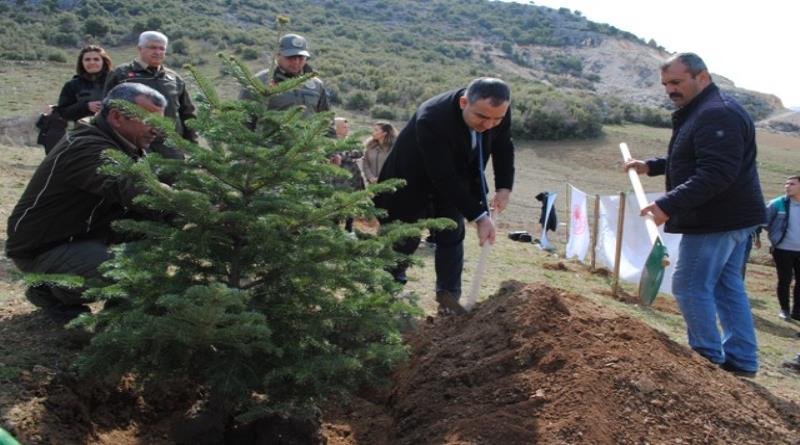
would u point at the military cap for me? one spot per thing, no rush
(293, 45)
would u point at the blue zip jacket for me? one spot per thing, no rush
(711, 176)
(777, 219)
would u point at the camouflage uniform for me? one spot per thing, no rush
(311, 94)
(167, 82)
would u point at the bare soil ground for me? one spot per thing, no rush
(531, 364)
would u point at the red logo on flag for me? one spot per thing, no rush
(578, 221)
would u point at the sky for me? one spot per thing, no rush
(754, 44)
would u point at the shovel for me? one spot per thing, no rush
(475, 287)
(658, 260)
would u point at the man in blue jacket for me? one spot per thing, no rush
(783, 225)
(441, 153)
(714, 199)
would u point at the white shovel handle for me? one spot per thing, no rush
(475, 287)
(641, 198)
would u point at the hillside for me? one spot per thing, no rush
(379, 57)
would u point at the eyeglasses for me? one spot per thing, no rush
(156, 48)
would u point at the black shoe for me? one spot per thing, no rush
(795, 316)
(448, 304)
(41, 297)
(735, 370)
(64, 313)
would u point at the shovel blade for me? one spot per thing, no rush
(653, 273)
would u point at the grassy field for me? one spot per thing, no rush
(593, 166)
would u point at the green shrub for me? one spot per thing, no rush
(383, 112)
(96, 26)
(57, 56)
(554, 115)
(63, 38)
(358, 101)
(179, 46)
(249, 53)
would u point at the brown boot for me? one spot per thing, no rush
(448, 304)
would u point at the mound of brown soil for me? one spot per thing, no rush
(530, 365)
(535, 365)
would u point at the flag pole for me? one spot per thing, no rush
(618, 252)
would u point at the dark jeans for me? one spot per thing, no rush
(787, 263)
(75, 258)
(449, 257)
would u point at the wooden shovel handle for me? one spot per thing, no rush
(641, 198)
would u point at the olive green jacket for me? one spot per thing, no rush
(167, 82)
(311, 94)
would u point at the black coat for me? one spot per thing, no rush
(711, 170)
(434, 154)
(73, 102)
(552, 221)
(68, 198)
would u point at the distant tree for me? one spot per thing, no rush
(96, 27)
(179, 46)
(358, 101)
(154, 23)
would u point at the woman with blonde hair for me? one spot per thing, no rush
(378, 147)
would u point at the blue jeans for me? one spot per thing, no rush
(707, 284)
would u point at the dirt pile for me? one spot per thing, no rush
(535, 365)
(532, 364)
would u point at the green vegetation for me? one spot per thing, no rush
(9, 372)
(250, 287)
(377, 57)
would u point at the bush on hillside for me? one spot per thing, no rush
(552, 115)
(96, 26)
(57, 56)
(382, 112)
(358, 101)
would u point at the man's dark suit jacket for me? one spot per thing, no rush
(434, 154)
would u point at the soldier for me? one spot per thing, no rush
(291, 59)
(148, 69)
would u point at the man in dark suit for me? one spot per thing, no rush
(441, 153)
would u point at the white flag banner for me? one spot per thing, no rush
(551, 198)
(636, 243)
(578, 243)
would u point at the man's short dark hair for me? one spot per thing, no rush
(693, 63)
(129, 92)
(796, 177)
(490, 88)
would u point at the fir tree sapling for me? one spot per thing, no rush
(249, 290)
